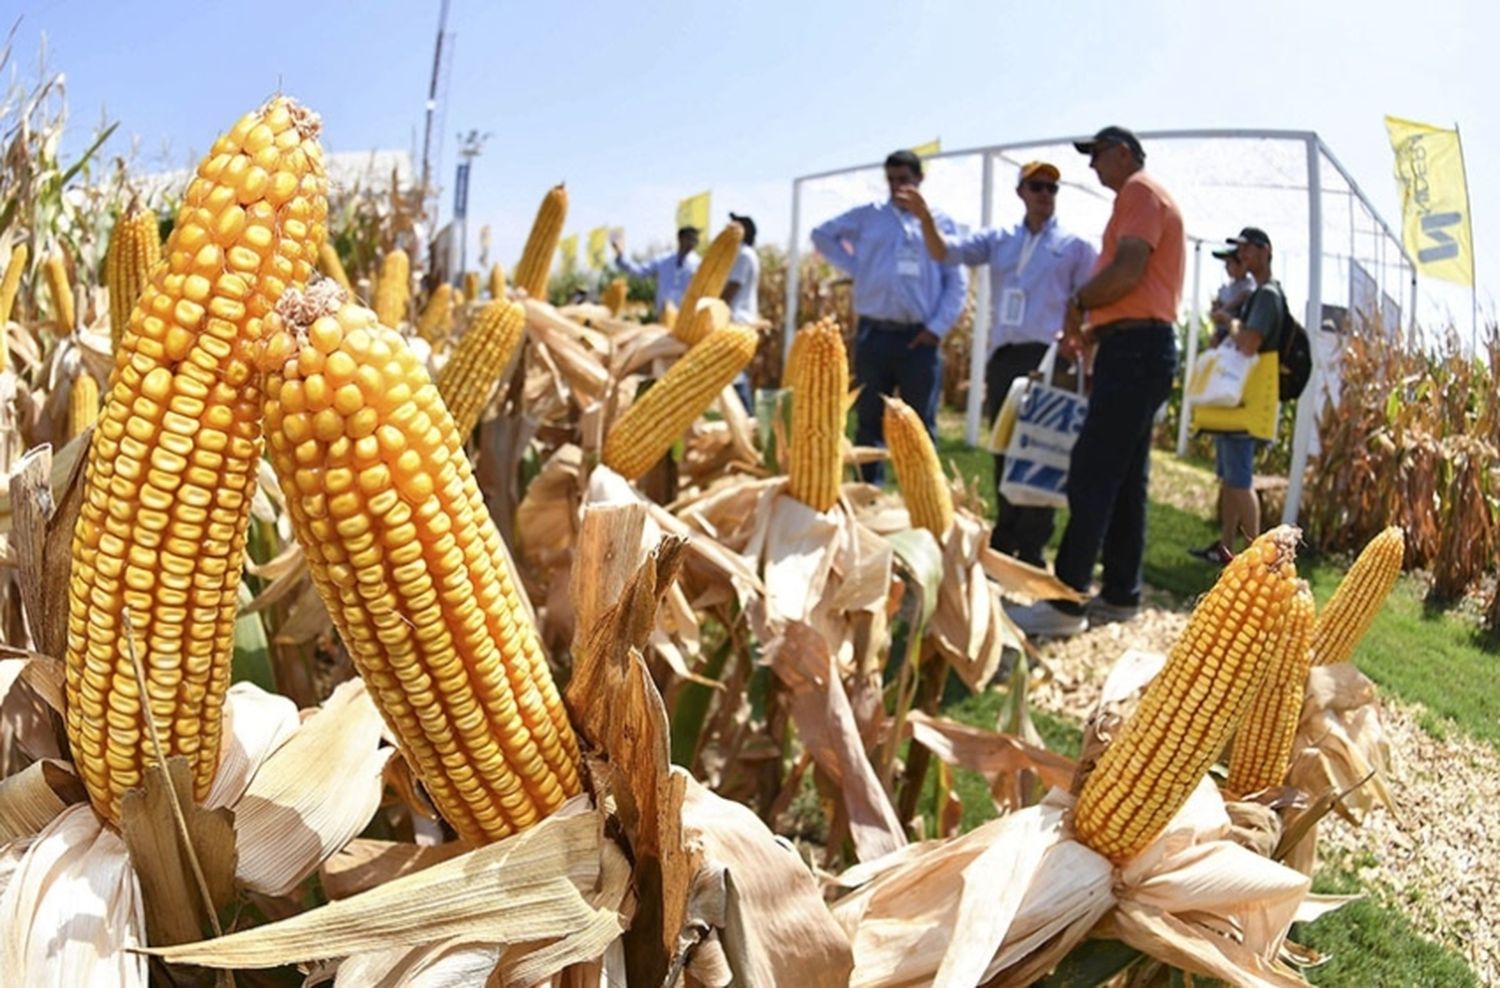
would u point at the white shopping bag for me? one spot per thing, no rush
(1222, 384)
(1047, 422)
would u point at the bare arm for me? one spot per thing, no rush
(1116, 279)
(911, 200)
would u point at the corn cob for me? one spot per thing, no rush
(436, 320)
(1146, 774)
(497, 282)
(83, 403)
(709, 280)
(668, 315)
(1360, 593)
(393, 290)
(14, 268)
(471, 286)
(819, 380)
(172, 467)
(919, 473)
(60, 291)
(1263, 745)
(614, 295)
(536, 260)
(408, 563)
(466, 380)
(332, 267)
(648, 428)
(134, 248)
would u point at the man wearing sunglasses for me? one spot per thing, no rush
(904, 302)
(1034, 267)
(1125, 315)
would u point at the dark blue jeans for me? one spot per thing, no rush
(1111, 462)
(886, 363)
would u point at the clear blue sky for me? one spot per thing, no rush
(638, 105)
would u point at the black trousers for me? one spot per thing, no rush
(1019, 531)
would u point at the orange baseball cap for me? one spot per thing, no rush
(1040, 169)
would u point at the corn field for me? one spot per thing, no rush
(369, 630)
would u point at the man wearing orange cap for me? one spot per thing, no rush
(1034, 268)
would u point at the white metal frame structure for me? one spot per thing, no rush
(1311, 187)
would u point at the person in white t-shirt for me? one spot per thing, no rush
(742, 292)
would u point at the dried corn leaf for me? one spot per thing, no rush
(256, 724)
(1341, 743)
(71, 911)
(363, 864)
(528, 888)
(313, 794)
(991, 754)
(34, 796)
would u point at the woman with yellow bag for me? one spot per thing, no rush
(1240, 428)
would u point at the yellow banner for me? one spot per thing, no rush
(1434, 199)
(569, 248)
(929, 149)
(693, 211)
(598, 240)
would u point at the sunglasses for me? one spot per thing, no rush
(1036, 186)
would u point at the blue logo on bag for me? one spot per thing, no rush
(1057, 411)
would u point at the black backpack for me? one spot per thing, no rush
(1294, 356)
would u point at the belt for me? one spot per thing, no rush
(890, 326)
(1123, 325)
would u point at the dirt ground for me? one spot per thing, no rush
(1439, 862)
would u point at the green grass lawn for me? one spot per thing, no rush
(1412, 652)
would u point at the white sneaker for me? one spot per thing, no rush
(1042, 620)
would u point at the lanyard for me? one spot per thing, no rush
(1028, 247)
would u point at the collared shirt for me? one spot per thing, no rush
(1045, 267)
(671, 278)
(894, 276)
(745, 273)
(1146, 211)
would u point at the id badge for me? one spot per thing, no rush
(1012, 307)
(908, 262)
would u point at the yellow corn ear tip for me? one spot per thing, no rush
(643, 434)
(818, 375)
(307, 124)
(83, 403)
(469, 376)
(1146, 774)
(541, 243)
(393, 289)
(332, 265)
(919, 472)
(708, 281)
(171, 470)
(1262, 749)
(497, 282)
(408, 563)
(1359, 596)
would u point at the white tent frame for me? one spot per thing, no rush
(1316, 150)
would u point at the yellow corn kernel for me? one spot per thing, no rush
(536, 260)
(919, 473)
(393, 289)
(819, 379)
(60, 292)
(425, 604)
(466, 380)
(1146, 774)
(1263, 745)
(1358, 598)
(185, 357)
(709, 280)
(134, 249)
(647, 429)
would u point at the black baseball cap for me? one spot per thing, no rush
(1252, 235)
(1225, 253)
(1112, 135)
(745, 222)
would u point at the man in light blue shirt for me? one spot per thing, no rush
(1034, 267)
(672, 270)
(903, 300)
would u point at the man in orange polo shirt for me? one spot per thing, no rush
(1126, 313)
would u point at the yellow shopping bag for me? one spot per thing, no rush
(1256, 415)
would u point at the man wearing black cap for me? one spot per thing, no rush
(672, 270)
(1129, 307)
(1231, 295)
(741, 292)
(1256, 330)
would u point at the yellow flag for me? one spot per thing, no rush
(929, 149)
(598, 238)
(1434, 199)
(569, 248)
(693, 211)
